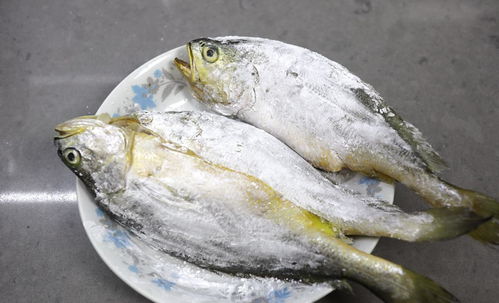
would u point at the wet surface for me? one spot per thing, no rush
(435, 62)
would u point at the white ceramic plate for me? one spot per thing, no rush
(158, 86)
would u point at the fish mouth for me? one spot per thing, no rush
(78, 125)
(65, 134)
(186, 68)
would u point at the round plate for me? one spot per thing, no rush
(158, 86)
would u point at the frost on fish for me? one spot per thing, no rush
(277, 81)
(244, 148)
(326, 114)
(219, 236)
(215, 216)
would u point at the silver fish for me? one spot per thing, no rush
(325, 113)
(214, 216)
(242, 147)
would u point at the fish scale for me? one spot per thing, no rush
(172, 179)
(247, 149)
(335, 120)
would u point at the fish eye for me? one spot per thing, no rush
(71, 156)
(210, 53)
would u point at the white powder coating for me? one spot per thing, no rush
(188, 208)
(213, 234)
(298, 88)
(214, 216)
(244, 148)
(321, 110)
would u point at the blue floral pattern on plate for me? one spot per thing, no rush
(373, 185)
(161, 80)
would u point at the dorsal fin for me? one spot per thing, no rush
(408, 132)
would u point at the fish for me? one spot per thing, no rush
(326, 114)
(242, 147)
(216, 217)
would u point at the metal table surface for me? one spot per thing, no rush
(436, 62)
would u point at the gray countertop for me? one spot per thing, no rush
(436, 62)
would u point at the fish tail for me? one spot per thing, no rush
(389, 281)
(479, 203)
(487, 233)
(448, 223)
(422, 290)
(430, 225)
(440, 193)
(484, 206)
(409, 287)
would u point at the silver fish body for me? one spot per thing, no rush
(180, 204)
(242, 147)
(325, 113)
(215, 216)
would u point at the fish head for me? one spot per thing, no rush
(221, 72)
(96, 150)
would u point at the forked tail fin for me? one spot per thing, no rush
(389, 281)
(480, 203)
(488, 233)
(487, 207)
(450, 222)
(440, 193)
(424, 290)
(430, 225)
(410, 287)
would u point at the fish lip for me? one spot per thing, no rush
(66, 130)
(64, 133)
(187, 68)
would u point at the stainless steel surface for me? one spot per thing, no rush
(436, 62)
